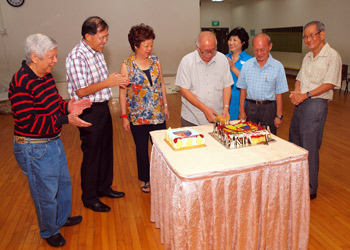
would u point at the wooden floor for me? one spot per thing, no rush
(128, 224)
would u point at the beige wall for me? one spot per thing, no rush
(176, 25)
(258, 14)
(215, 11)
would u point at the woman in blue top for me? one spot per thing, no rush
(238, 42)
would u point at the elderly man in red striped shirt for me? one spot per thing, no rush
(39, 113)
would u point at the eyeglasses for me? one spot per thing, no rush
(311, 35)
(102, 38)
(207, 52)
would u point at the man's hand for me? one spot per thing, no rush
(115, 79)
(77, 107)
(242, 116)
(209, 114)
(296, 97)
(278, 122)
(74, 119)
(226, 113)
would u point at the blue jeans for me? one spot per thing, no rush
(45, 165)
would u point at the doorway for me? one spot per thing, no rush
(221, 36)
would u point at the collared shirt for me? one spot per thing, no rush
(263, 83)
(144, 101)
(242, 58)
(324, 68)
(38, 109)
(205, 81)
(86, 66)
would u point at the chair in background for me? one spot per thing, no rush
(344, 76)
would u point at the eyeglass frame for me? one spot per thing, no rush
(104, 38)
(311, 35)
(213, 52)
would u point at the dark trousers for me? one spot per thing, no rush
(185, 123)
(262, 113)
(97, 147)
(141, 137)
(306, 130)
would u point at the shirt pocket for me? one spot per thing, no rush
(317, 73)
(218, 82)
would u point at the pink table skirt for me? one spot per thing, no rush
(263, 206)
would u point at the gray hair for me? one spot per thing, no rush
(263, 34)
(198, 42)
(319, 25)
(38, 44)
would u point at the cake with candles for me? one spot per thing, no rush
(240, 134)
(184, 138)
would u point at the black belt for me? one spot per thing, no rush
(260, 102)
(25, 140)
(94, 104)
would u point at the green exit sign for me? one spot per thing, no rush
(215, 23)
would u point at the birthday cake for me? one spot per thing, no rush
(241, 134)
(184, 138)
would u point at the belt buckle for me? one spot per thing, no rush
(20, 139)
(259, 102)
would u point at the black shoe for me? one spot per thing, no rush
(98, 207)
(71, 221)
(56, 240)
(313, 196)
(111, 194)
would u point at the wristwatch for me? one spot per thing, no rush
(279, 116)
(308, 95)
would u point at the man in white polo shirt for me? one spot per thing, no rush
(205, 83)
(319, 74)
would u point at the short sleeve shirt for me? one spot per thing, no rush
(263, 83)
(324, 68)
(205, 81)
(86, 66)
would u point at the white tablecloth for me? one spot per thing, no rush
(216, 198)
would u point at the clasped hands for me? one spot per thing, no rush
(296, 97)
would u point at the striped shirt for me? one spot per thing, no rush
(86, 66)
(38, 109)
(263, 83)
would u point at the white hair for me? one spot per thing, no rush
(198, 42)
(38, 44)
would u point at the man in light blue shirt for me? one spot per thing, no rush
(262, 81)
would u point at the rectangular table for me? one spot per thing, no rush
(216, 198)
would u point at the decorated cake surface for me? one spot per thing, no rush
(241, 134)
(184, 138)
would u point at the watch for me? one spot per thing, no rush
(279, 116)
(15, 3)
(308, 94)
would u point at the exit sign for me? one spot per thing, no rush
(215, 23)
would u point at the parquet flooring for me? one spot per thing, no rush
(128, 225)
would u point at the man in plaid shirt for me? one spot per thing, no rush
(262, 81)
(87, 77)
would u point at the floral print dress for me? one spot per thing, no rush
(144, 101)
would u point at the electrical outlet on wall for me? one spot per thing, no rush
(3, 32)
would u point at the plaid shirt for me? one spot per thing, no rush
(263, 83)
(84, 67)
